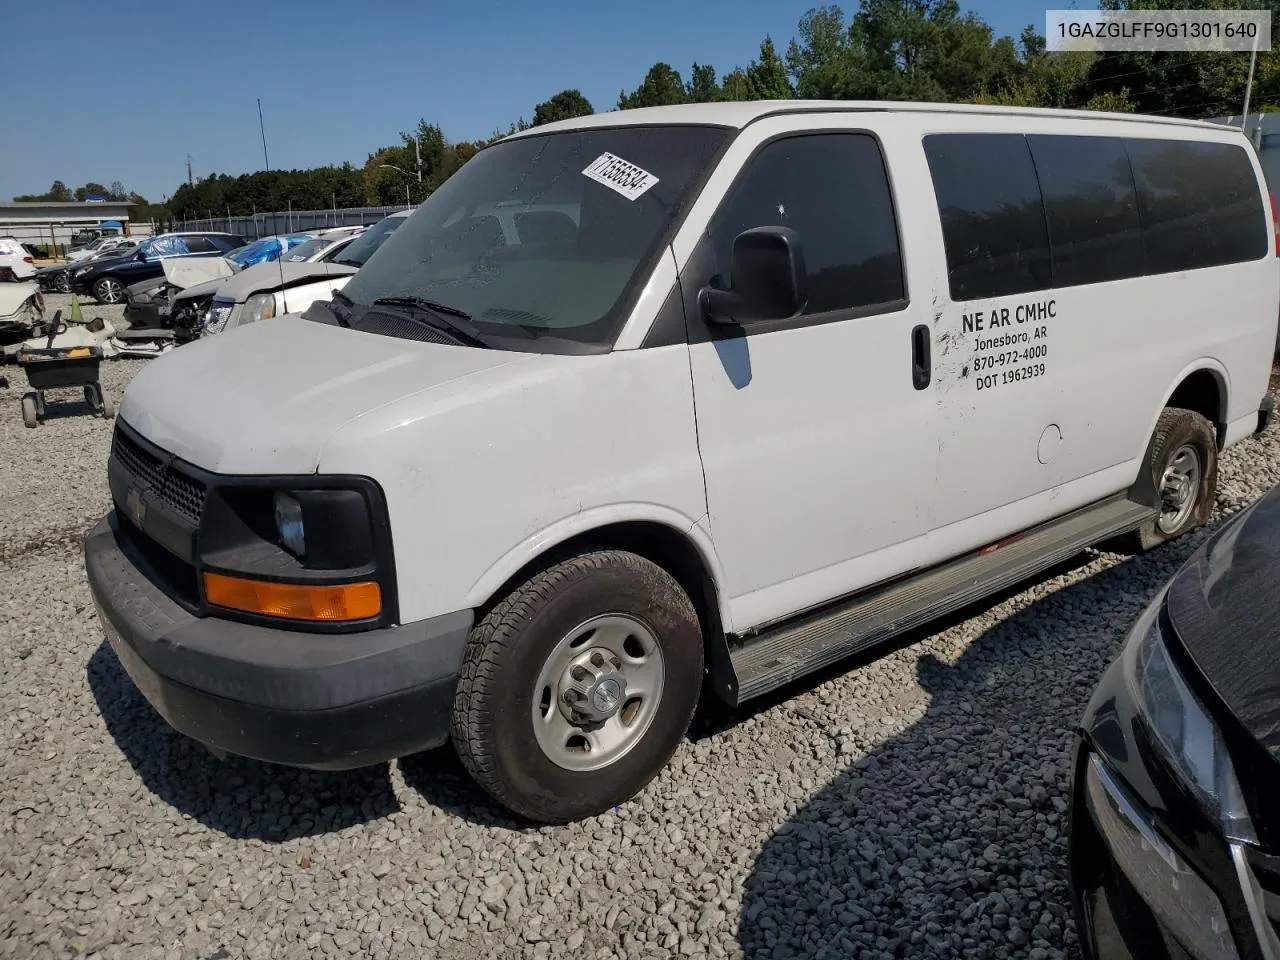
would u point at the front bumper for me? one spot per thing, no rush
(1151, 877)
(321, 701)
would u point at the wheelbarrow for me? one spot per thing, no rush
(49, 367)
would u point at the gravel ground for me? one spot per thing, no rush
(910, 806)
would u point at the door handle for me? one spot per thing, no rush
(921, 362)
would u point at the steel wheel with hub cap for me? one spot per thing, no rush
(578, 686)
(1183, 460)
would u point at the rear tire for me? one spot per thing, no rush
(607, 632)
(1184, 468)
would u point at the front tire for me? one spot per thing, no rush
(1184, 467)
(63, 282)
(30, 412)
(108, 290)
(578, 686)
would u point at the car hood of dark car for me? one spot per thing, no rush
(106, 263)
(1224, 606)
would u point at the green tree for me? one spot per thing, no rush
(823, 62)
(57, 193)
(89, 189)
(661, 86)
(563, 106)
(1186, 83)
(767, 76)
(736, 85)
(702, 86)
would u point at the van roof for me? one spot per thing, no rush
(739, 114)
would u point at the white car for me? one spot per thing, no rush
(15, 262)
(274, 290)
(109, 245)
(767, 384)
(21, 307)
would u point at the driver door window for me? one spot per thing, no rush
(832, 190)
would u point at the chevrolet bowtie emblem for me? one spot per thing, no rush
(134, 504)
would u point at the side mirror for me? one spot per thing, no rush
(766, 279)
(141, 255)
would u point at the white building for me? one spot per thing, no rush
(46, 222)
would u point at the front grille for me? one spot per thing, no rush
(182, 493)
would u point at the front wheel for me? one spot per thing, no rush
(30, 411)
(63, 282)
(578, 686)
(108, 290)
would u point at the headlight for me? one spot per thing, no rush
(1182, 726)
(81, 271)
(261, 306)
(289, 524)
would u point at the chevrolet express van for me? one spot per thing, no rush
(791, 379)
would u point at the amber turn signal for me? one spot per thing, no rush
(329, 603)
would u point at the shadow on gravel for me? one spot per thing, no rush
(438, 775)
(949, 840)
(244, 799)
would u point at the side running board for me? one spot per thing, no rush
(783, 653)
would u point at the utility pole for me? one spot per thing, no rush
(263, 130)
(190, 180)
(417, 151)
(1248, 90)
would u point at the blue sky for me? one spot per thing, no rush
(124, 90)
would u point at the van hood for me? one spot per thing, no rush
(266, 397)
(279, 275)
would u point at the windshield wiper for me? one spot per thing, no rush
(349, 262)
(457, 323)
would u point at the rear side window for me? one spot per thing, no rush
(832, 190)
(1200, 204)
(1025, 213)
(200, 245)
(992, 217)
(1091, 207)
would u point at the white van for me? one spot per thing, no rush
(793, 378)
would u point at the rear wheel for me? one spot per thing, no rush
(1184, 467)
(578, 686)
(108, 290)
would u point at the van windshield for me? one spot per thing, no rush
(541, 238)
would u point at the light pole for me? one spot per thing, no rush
(391, 166)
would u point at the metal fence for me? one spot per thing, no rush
(285, 221)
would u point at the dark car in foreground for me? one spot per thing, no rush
(105, 280)
(1175, 836)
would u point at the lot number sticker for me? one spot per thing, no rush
(619, 175)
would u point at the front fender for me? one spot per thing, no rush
(599, 518)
